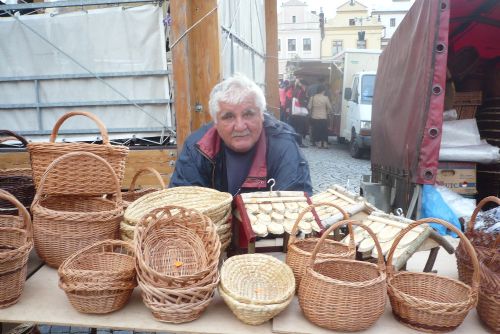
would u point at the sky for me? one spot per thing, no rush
(329, 6)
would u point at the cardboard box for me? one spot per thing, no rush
(458, 176)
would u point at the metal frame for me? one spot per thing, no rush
(71, 3)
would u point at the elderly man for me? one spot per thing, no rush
(243, 148)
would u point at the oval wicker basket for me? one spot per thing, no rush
(212, 203)
(299, 250)
(343, 294)
(65, 224)
(43, 154)
(15, 246)
(428, 302)
(256, 287)
(99, 278)
(134, 194)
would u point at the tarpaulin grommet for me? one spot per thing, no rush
(440, 47)
(433, 132)
(444, 5)
(428, 174)
(437, 89)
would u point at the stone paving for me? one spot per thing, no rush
(335, 166)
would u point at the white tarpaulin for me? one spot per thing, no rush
(103, 41)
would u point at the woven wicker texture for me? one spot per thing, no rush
(212, 203)
(256, 287)
(428, 302)
(133, 194)
(15, 246)
(99, 278)
(17, 181)
(66, 224)
(299, 250)
(343, 294)
(43, 154)
(178, 252)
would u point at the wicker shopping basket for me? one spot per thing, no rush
(17, 181)
(428, 302)
(299, 250)
(177, 256)
(66, 224)
(16, 242)
(99, 278)
(42, 155)
(133, 194)
(343, 294)
(256, 287)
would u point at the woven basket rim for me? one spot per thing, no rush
(298, 242)
(254, 307)
(85, 215)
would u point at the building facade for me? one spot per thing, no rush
(391, 15)
(298, 34)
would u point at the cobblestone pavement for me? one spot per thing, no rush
(335, 166)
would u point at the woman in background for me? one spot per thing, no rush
(319, 107)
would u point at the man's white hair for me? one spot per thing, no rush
(235, 90)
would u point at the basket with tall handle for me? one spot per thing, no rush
(133, 194)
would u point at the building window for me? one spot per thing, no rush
(352, 22)
(294, 19)
(361, 44)
(292, 45)
(306, 44)
(336, 47)
(393, 22)
(279, 45)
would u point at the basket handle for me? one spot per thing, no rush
(478, 208)
(380, 258)
(100, 125)
(466, 243)
(13, 134)
(23, 213)
(145, 171)
(71, 155)
(495, 246)
(293, 233)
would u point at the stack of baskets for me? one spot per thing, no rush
(256, 287)
(212, 203)
(74, 214)
(428, 302)
(133, 194)
(177, 257)
(99, 278)
(299, 250)
(486, 246)
(343, 294)
(16, 242)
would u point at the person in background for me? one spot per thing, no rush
(243, 148)
(319, 107)
(299, 122)
(282, 92)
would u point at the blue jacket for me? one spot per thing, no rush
(277, 156)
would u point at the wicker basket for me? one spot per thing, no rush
(17, 181)
(256, 287)
(428, 302)
(488, 306)
(42, 155)
(212, 203)
(343, 294)
(299, 250)
(99, 278)
(66, 224)
(15, 246)
(178, 253)
(133, 194)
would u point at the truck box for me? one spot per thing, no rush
(457, 176)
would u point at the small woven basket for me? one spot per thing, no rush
(299, 250)
(17, 181)
(343, 294)
(133, 194)
(256, 287)
(428, 302)
(15, 246)
(99, 278)
(43, 154)
(66, 224)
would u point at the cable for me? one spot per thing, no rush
(190, 28)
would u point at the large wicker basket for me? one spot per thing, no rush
(42, 155)
(256, 287)
(66, 224)
(16, 242)
(343, 294)
(133, 194)
(178, 252)
(212, 203)
(428, 302)
(99, 278)
(299, 250)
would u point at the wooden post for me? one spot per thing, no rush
(272, 93)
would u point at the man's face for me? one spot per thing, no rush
(239, 125)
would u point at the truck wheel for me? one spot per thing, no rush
(354, 149)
